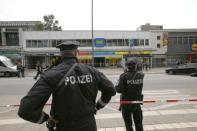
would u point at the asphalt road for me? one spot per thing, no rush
(156, 115)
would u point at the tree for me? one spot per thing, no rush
(49, 24)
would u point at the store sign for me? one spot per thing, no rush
(103, 53)
(100, 42)
(194, 47)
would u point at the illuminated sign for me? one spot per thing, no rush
(194, 47)
(100, 42)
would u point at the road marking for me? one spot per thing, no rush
(167, 96)
(7, 110)
(149, 113)
(12, 121)
(164, 106)
(153, 92)
(157, 126)
(146, 127)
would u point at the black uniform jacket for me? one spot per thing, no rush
(130, 85)
(76, 97)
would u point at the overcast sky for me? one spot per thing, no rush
(108, 14)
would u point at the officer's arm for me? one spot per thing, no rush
(107, 90)
(31, 106)
(120, 85)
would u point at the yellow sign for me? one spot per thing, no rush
(121, 53)
(85, 57)
(113, 57)
(194, 47)
(141, 52)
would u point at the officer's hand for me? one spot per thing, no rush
(95, 110)
(98, 106)
(52, 119)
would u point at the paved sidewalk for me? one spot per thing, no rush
(107, 71)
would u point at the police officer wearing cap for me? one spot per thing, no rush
(130, 86)
(74, 101)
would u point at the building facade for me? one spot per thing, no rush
(182, 46)
(10, 37)
(110, 48)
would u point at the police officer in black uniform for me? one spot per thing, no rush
(74, 101)
(130, 86)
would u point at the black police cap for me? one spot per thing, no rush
(68, 45)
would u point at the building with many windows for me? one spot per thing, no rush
(150, 43)
(182, 46)
(10, 37)
(111, 48)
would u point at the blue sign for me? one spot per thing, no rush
(100, 42)
(103, 53)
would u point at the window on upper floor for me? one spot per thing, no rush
(146, 42)
(28, 43)
(141, 42)
(158, 37)
(158, 45)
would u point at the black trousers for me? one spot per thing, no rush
(132, 112)
(37, 74)
(86, 124)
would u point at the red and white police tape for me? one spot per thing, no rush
(131, 102)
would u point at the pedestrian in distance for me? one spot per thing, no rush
(39, 70)
(20, 70)
(130, 86)
(74, 87)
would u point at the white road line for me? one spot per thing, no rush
(160, 92)
(149, 113)
(156, 127)
(12, 121)
(7, 110)
(164, 106)
(146, 127)
(167, 96)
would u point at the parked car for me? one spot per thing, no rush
(194, 74)
(7, 68)
(187, 68)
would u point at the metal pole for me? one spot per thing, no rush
(92, 4)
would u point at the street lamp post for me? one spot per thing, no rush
(92, 21)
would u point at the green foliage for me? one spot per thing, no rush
(49, 24)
